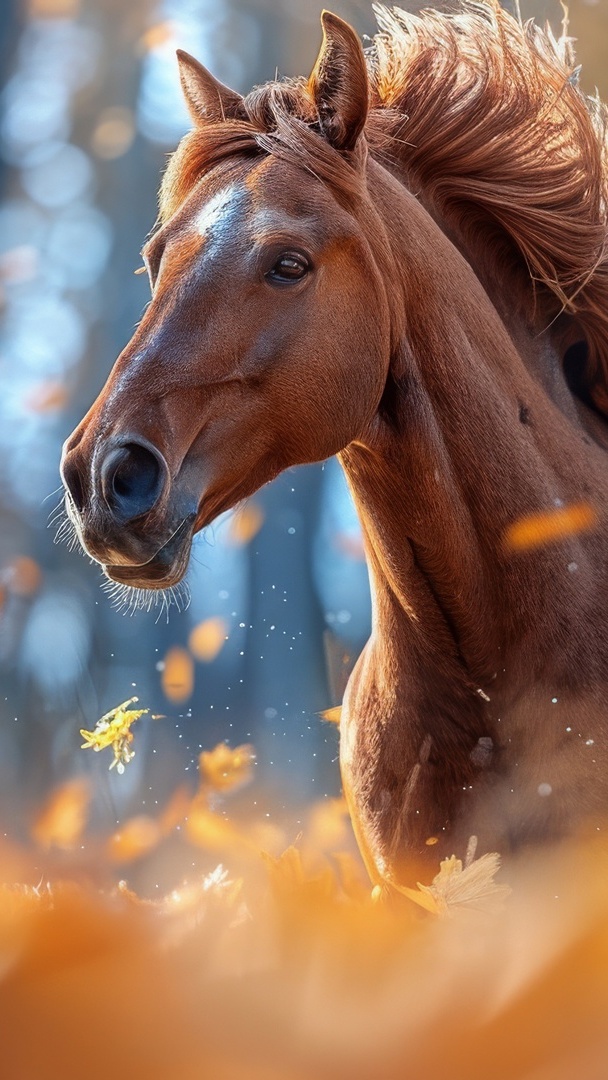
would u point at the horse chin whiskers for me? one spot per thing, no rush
(127, 599)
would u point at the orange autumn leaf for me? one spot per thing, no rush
(332, 715)
(176, 810)
(207, 639)
(214, 832)
(23, 575)
(457, 886)
(64, 816)
(113, 133)
(328, 825)
(178, 675)
(53, 9)
(135, 838)
(246, 523)
(546, 526)
(290, 878)
(47, 397)
(156, 35)
(224, 769)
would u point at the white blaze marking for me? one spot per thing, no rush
(215, 214)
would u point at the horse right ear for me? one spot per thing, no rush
(207, 98)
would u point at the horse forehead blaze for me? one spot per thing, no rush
(217, 216)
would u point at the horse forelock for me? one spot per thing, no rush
(278, 118)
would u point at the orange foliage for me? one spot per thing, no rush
(246, 523)
(64, 816)
(224, 769)
(48, 397)
(23, 575)
(178, 675)
(207, 639)
(545, 527)
(287, 966)
(133, 839)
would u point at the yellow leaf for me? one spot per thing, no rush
(224, 769)
(178, 675)
(133, 839)
(214, 832)
(208, 638)
(64, 817)
(246, 523)
(114, 730)
(472, 886)
(332, 715)
(536, 530)
(175, 810)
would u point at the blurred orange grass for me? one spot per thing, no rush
(287, 967)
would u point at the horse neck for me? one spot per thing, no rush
(465, 442)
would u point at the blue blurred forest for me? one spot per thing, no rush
(279, 597)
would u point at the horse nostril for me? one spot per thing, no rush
(72, 481)
(132, 478)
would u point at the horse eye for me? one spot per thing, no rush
(288, 268)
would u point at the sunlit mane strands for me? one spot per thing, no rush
(499, 136)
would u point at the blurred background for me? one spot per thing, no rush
(279, 608)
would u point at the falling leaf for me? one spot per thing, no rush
(349, 544)
(45, 9)
(328, 825)
(135, 838)
(114, 730)
(114, 132)
(176, 810)
(208, 638)
(178, 675)
(332, 715)
(544, 527)
(290, 878)
(455, 886)
(246, 523)
(23, 576)
(224, 769)
(64, 817)
(214, 832)
(47, 397)
(156, 36)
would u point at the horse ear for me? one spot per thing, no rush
(207, 98)
(338, 84)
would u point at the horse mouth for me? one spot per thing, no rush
(163, 569)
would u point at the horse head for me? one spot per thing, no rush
(257, 350)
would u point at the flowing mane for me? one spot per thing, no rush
(485, 116)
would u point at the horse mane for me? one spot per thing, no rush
(485, 117)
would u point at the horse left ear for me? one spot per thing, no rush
(338, 84)
(206, 97)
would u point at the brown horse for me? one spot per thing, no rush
(402, 260)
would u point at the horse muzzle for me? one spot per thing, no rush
(125, 513)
